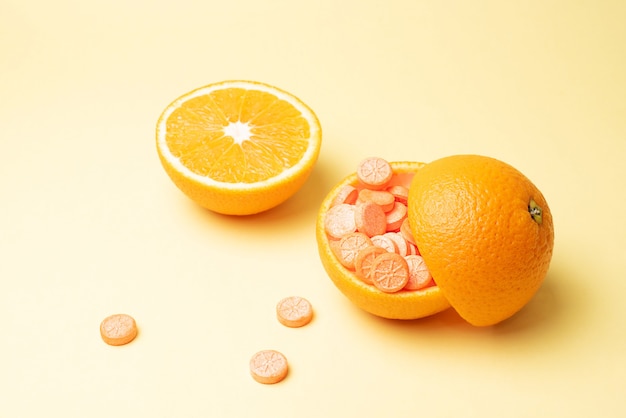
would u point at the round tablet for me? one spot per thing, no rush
(374, 172)
(118, 329)
(294, 311)
(390, 272)
(268, 366)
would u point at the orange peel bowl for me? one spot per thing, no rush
(400, 305)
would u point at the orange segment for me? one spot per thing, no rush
(238, 147)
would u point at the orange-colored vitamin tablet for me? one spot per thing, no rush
(405, 230)
(401, 246)
(268, 366)
(294, 311)
(370, 219)
(364, 260)
(340, 220)
(396, 216)
(375, 173)
(118, 329)
(419, 275)
(348, 194)
(384, 242)
(390, 272)
(382, 198)
(349, 247)
(400, 193)
(412, 249)
(335, 247)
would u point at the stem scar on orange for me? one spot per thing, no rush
(238, 147)
(485, 232)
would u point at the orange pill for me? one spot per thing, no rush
(268, 366)
(396, 216)
(340, 221)
(412, 249)
(370, 219)
(347, 194)
(401, 246)
(364, 260)
(375, 173)
(382, 198)
(384, 242)
(349, 247)
(390, 272)
(419, 275)
(400, 193)
(405, 230)
(118, 329)
(294, 311)
(334, 247)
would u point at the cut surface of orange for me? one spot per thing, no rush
(400, 305)
(238, 147)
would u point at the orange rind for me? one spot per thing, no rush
(485, 232)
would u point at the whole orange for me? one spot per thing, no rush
(485, 232)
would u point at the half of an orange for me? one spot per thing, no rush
(238, 147)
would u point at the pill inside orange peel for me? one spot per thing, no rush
(399, 305)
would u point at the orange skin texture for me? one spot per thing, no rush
(470, 219)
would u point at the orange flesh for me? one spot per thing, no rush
(237, 127)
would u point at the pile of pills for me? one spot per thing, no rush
(368, 230)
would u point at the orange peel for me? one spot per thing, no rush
(400, 305)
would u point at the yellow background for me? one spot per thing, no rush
(90, 224)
